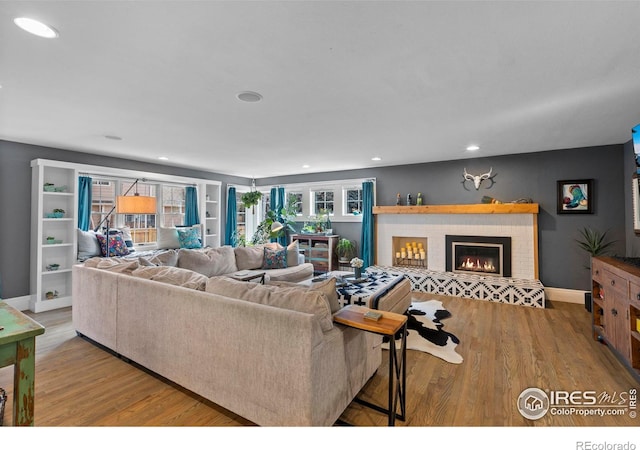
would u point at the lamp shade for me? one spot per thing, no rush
(135, 204)
(276, 226)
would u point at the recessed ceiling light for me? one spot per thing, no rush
(36, 27)
(473, 148)
(376, 158)
(163, 158)
(305, 166)
(248, 96)
(112, 137)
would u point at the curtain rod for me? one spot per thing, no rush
(140, 180)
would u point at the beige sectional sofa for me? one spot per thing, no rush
(270, 354)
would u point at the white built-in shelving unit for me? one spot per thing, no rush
(63, 250)
(211, 215)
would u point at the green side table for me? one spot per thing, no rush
(18, 346)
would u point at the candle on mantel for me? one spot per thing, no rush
(397, 254)
(422, 255)
(416, 255)
(403, 254)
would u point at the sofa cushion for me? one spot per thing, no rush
(274, 259)
(306, 301)
(296, 274)
(249, 258)
(167, 237)
(165, 258)
(118, 265)
(172, 275)
(327, 287)
(209, 262)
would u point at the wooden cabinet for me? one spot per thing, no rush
(616, 307)
(319, 250)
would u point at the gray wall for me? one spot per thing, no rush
(532, 175)
(15, 202)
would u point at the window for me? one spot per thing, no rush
(353, 201)
(298, 201)
(143, 226)
(241, 218)
(103, 198)
(322, 200)
(173, 205)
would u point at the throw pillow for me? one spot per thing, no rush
(88, 245)
(293, 250)
(189, 237)
(168, 238)
(274, 259)
(117, 247)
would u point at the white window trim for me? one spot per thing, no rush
(339, 200)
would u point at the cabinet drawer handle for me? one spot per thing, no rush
(614, 311)
(638, 296)
(613, 282)
(597, 272)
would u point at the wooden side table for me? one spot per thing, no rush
(18, 346)
(389, 325)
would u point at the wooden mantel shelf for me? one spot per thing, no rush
(480, 208)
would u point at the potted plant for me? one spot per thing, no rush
(50, 239)
(58, 213)
(250, 199)
(345, 249)
(594, 242)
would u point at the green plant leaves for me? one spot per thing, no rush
(594, 242)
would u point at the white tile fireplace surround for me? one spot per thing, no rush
(518, 221)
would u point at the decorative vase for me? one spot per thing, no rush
(358, 272)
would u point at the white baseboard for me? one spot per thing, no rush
(19, 303)
(564, 295)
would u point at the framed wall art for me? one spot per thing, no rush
(575, 197)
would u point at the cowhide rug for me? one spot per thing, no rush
(426, 334)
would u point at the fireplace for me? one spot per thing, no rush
(481, 255)
(409, 251)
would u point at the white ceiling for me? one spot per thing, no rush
(342, 81)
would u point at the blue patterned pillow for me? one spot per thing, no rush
(117, 247)
(274, 259)
(189, 238)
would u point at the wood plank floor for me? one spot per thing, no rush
(505, 348)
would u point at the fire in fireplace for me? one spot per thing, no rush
(483, 255)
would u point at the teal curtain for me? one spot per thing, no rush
(191, 216)
(273, 203)
(366, 235)
(84, 203)
(282, 240)
(232, 218)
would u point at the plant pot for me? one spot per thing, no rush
(358, 272)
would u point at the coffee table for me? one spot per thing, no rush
(390, 325)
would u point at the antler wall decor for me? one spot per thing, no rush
(477, 179)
